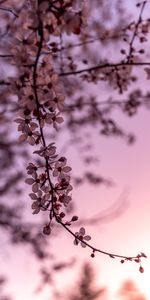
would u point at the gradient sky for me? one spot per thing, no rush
(129, 167)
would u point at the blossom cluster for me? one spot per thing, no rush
(41, 101)
(45, 194)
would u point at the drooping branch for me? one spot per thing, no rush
(41, 100)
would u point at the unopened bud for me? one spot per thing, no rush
(47, 229)
(141, 269)
(74, 218)
(62, 215)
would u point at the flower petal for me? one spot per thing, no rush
(83, 245)
(82, 231)
(22, 137)
(76, 242)
(31, 140)
(87, 238)
(59, 120)
(66, 169)
(33, 196)
(29, 181)
(35, 187)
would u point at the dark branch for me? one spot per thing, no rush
(104, 66)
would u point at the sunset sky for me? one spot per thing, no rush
(128, 166)
(128, 234)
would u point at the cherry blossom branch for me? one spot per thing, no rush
(3, 82)
(94, 250)
(79, 237)
(40, 30)
(6, 55)
(51, 189)
(135, 31)
(104, 66)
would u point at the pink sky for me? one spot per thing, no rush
(128, 235)
(129, 167)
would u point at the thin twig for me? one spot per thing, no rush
(104, 66)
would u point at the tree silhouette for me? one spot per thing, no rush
(85, 287)
(129, 291)
(2, 294)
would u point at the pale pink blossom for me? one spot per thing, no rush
(35, 182)
(57, 102)
(65, 199)
(54, 119)
(32, 169)
(32, 137)
(48, 151)
(60, 168)
(26, 124)
(40, 201)
(81, 237)
(72, 22)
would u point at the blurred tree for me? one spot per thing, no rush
(85, 288)
(129, 291)
(2, 295)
